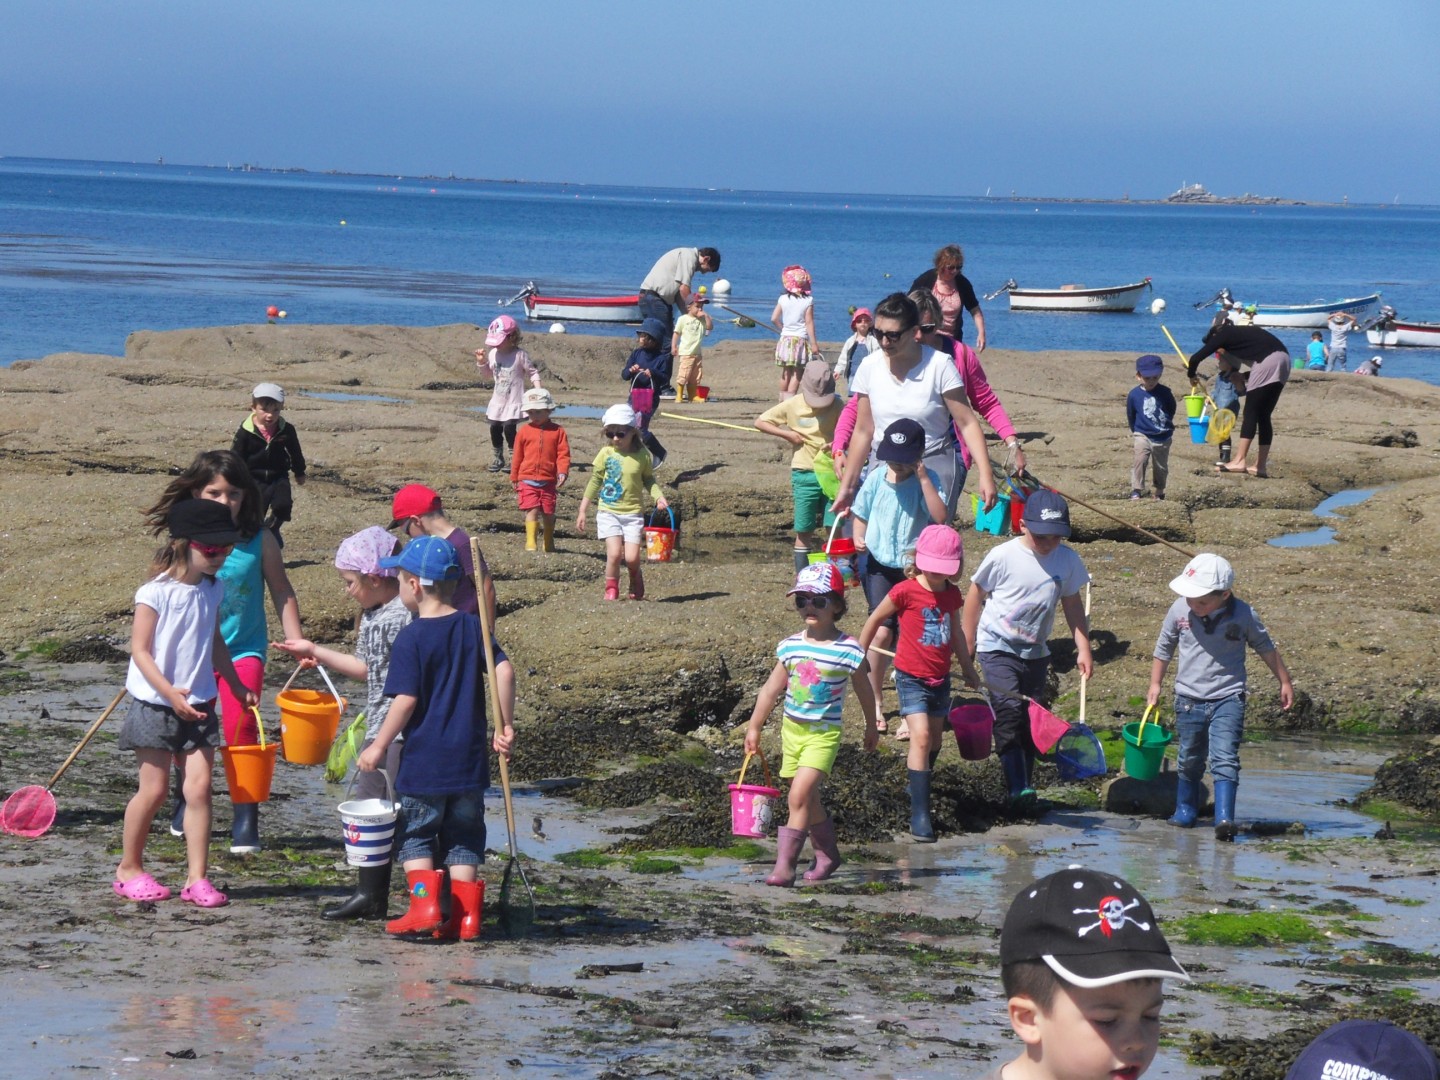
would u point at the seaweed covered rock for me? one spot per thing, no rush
(1411, 779)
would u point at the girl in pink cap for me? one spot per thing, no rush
(928, 603)
(794, 317)
(509, 365)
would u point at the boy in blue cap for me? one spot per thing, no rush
(1150, 409)
(648, 368)
(437, 683)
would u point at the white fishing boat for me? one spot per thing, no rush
(1073, 297)
(1310, 316)
(609, 309)
(1389, 330)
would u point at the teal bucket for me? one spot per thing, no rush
(1199, 428)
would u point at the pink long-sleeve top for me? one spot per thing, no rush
(977, 388)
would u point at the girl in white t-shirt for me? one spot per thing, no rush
(509, 365)
(175, 652)
(794, 317)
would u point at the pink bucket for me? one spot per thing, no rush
(973, 726)
(752, 806)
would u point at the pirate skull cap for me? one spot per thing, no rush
(1090, 928)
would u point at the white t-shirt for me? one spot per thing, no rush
(792, 315)
(1339, 331)
(184, 638)
(1024, 591)
(919, 395)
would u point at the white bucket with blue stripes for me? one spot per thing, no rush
(369, 827)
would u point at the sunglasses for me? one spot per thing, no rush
(811, 600)
(211, 551)
(928, 327)
(617, 433)
(887, 336)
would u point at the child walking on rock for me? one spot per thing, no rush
(794, 318)
(927, 604)
(271, 451)
(383, 615)
(539, 467)
(175, 652)
(1209, 627)
(811, 673)
(623, 472)
(509, 365)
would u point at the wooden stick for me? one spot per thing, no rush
(88, 736)
(749, 318)
(1085, 679)
(1118, 520)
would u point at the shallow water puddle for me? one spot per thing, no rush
(1325, 534)
(337, 395)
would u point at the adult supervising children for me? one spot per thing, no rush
(667, 285)
(1269, 362)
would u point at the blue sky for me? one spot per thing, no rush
(1314, 100)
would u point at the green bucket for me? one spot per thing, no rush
(1194, 405)
(1142, 760)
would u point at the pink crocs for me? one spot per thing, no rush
(203, 894)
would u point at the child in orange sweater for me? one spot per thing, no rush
(539, 467)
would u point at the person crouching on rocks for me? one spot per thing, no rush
(811, 672)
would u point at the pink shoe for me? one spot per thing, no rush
(140, 888)
(203, 894)
(612, 588)
(637, 587)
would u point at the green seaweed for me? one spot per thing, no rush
(1247, 928)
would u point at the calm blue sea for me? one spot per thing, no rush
(90, 251)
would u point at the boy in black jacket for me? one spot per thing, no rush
(271, 449)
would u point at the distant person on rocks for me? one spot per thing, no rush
(1316, 353)
(690, 331)
(667, 285)
(955, 294)
(270, 449)
(1269, 362)
(539, 468)
(1370, 367)
(1340, 323)
(860, 344)
(794, 318)
(509, 365)
(1208, 628)
(1150, 410)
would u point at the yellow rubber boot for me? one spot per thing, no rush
(530, 530)
(549, 536)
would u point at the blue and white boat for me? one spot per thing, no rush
(1310, 316)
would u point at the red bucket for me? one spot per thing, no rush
(660, 541)
(752, 806)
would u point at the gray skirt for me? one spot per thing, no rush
(156, 727)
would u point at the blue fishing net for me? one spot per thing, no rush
(1078, 754)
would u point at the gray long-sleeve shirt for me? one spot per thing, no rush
(1212, 649)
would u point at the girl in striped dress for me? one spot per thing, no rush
(811, 673)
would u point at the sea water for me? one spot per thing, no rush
(90, 251)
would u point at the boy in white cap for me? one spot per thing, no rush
(1082, 961)
(539, 467)
(1210, 626)
(807, 422)
(690, 331)
(270, 449)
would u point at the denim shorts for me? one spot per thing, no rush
(447, 829)
(918, 696)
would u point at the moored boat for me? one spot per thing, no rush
(610, 309)
(1310, 316)
(1389, 330)
(1073, 297)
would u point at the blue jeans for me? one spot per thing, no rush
(654, 306)
(447, 829)
(1210, 730)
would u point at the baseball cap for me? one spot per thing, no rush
(1149, 365)
(621, 415)
(1377, 360)
(1375, 1049)
(818, 577)
(817, 384)
(501, 327)
(429, 558)
(270, 390)
(653, 327)
(903, 442)
(362, 552)
(699, 298)
(539, 398)
(1046, 514)
(413, 500)
(1204, 574)
(939, 550)
(861, 313)
(1090, 929)
(202, 520)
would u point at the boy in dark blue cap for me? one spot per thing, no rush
(1009, 613)
(1150, 409)
(1082, 961)
(437, 683)
(647, 370)
(1365, 1050)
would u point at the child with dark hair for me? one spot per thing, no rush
(1082, 961)
(270, 449)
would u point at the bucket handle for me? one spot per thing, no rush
(1145, 719)
(765, 765)
(260, 724)
(834, 528)
(331, 687)
(389, 786)
(654, 510)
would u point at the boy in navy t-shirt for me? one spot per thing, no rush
(437, 681)
(1150, 408)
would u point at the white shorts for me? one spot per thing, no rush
(629, 526)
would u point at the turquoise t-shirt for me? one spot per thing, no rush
(893, 514)
(242, 613)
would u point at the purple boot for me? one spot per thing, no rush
(788, 843)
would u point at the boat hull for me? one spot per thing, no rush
(1312, 316)
(1117, 298)
(1413, 335)
(607, 309)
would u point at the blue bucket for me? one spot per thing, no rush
(1199, 427)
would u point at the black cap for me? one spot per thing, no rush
(1046, 514)
(903, 442)
(202, 520)
(1091, 929)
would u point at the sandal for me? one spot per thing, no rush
(881, 726)
(203, 894)
(141, 888)
(902, 733)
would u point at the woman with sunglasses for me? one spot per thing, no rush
(954, 293)
(253, 566)
(810, 675)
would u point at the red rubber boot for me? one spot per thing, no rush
(467, 898)
(424, 913)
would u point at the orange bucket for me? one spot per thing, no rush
(308, 722)
(659, 540)
(250, 769)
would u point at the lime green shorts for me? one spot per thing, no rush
(807, 747)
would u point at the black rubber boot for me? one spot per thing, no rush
(920, 827)
(372, 895)
(177, 816)
(245, 829)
